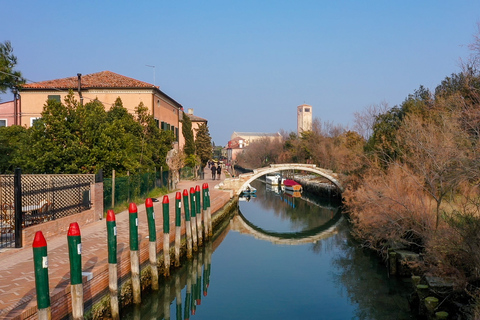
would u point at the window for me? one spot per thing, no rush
(176, 134)
(307, 109)
(162, 125)
(157, 123)
(33, 120)
(54, 97)
(3, 122)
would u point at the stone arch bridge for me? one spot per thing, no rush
(239, 183)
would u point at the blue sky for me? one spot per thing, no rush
(246, 65)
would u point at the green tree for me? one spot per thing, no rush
(12, 146)
(203, 144)
(187, 132)
(9, 78)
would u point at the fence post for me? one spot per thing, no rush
(188, 227)
(112, 263)
(113, 188)
(17, 193)
(40, 261)
(152, 244)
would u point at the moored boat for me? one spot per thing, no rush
(274, 179)
(249, 190)
(292, 185)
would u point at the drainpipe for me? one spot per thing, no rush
(15, 115)
(79, 75)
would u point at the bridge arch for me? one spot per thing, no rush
(241, 182)
(241, 224)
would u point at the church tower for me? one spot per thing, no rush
(304, 118)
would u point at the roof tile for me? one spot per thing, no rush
(104, 79)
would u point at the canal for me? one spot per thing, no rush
(280, 257)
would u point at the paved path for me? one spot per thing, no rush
(17, 280)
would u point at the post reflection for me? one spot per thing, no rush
(184, 289)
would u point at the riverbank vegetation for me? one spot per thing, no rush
(414, 173)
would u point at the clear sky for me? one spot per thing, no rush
(246, 65)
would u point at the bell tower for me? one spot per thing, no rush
(304, 118)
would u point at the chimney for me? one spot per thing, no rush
(190, 111)
(79, 75)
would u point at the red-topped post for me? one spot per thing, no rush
(152, 242)
(188, 227)
(194, 218)
(112, 263)
(40, 262)
(198, 208)
(178, 226)
(166, 235)
(134, 254)
(75, 255)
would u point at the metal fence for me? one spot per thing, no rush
(120, 191)
(29, 199)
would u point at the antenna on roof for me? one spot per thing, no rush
(153, 72)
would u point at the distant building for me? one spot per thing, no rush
(240, 140)
(7, 113)
(106, 87)
(304, 118)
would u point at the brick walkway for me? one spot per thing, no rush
(17, 280)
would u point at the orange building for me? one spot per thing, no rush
(106, 87)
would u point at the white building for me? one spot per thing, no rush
(304, 118)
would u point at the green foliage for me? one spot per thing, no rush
(187, 132)
(9, 78)
(203, 144)
(75, 138)
(12, 147)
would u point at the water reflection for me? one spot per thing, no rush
(331, 278)
(190, 281)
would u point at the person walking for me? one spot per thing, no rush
(219, 171)
(214, 171)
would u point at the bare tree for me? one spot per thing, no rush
(365, 119)
(434, 149)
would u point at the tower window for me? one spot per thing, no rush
(307, 109)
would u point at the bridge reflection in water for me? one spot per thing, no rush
(181, 295)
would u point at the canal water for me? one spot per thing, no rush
(281, 257)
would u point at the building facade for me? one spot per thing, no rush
(106, 87)
(304, 118)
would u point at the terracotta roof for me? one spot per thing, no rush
(196, 118)
(104, 79)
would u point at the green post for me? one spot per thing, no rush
(188, 227)
(112, 237)
(75, 255)
(193, 212)
(208, 211)
(133, 226)
(166, 214)
(40, 262)
(152, 234)
(166, 235)
(178, 226)
(112, 264)
(205, 210)
(134, 254)
(152, 244)
(199, 214)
